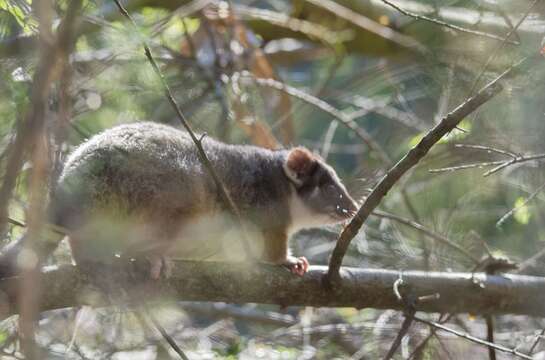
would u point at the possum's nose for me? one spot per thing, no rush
(352, 205)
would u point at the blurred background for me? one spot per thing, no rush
(358, 82)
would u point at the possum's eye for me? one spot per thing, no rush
(330, 189)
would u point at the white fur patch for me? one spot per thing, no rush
(302, 217)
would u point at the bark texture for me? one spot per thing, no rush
(246, 283)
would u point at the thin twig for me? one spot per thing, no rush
(443, 347)
(513, 210)
(212, 80)
(166, 336)
(313, 30)
(223, 192)
(507, 20)
(143, 316)
(490, 336)
(466, 166)
(414, 155)
(486, 148)
(181, 12)
(338, 115)
(419, 349)
(500, 46)
(381, 107)
(524, 265)
(538, 337)
(443, 239)
(328, 139)
(402, 332)
(514, 161)
(499, 164)
(367, 24)
(446, 24)
(244, 313)
(473, 338)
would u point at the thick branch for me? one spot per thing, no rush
(360, 288)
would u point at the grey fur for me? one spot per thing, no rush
(140, 187)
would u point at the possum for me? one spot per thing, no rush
(141, 190)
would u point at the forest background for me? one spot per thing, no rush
(361, 83)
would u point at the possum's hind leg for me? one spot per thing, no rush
(160, 237)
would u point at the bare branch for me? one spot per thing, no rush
(490, 336)
(499, 164)
(513, 210)
(419, 349)
(448, 123)
(338, 115)
(538, 338)
(313, 30)
(165, 335)
(530, 262)
(501, 45)
(367, 24)
(474, 339)
(447, 25)
(514, 161)
(402, 332)
(486, 148)
(438, 237)
(466, 166)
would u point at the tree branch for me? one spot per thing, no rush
(249, 283)
(448, 25)
(447, 124)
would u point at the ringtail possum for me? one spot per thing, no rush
(141, 190)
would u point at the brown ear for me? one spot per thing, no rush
(299, 164)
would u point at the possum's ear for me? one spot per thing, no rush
(299, 165)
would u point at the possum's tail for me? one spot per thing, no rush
(17, 255)
(10, 256)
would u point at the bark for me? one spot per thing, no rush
(253, 283)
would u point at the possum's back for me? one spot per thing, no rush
(142, 168)
(142, 188)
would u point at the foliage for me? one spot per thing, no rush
(393, 91)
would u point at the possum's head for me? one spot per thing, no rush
(319, 198)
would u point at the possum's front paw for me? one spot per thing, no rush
(160, 265)
(297, 266)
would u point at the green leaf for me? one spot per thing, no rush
(522, 212)
(20, 14)
(416, 139)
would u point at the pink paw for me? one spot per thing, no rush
(160, 265)
(297, 266)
